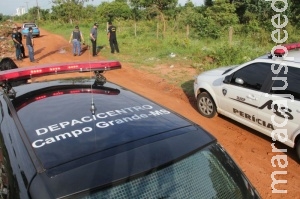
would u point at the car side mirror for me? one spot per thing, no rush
(239, 81)
(227, 79)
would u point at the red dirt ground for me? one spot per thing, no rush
(251, 150)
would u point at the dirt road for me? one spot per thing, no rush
(250, 149)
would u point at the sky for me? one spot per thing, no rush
(8, 7)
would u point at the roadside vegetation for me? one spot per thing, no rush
(152, 33)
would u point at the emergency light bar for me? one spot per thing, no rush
(23, 101)
(291, 46)
(51, 69)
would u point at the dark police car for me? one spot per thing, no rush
(88, 138)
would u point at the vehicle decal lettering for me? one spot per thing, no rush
(147, 113)
(96, 117)
(253, 118)
(278, 110)
(282, 112)
(240, 98)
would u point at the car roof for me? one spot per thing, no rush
(75, 126)
(29, 24)
(292, 56)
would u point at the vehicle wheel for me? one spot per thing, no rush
(297, 147)
(206, 105)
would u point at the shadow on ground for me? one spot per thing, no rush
(46, 55)
(290, 151)
(188, 90)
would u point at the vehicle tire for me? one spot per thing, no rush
(297, 148)
(206, 105)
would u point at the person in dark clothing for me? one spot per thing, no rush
(17, 44)
(112, 38)
(30, 44)
(20, 40)
(76, 38)
(7, 64)
(93, 37)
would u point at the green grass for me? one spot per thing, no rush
(146, 51)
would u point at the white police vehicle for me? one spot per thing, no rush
(263, 94)
(88, 138)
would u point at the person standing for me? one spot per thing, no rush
(93, 37)
(17, 44)
(20, 40)
(112, 38)
(76, 38)
(30, 44)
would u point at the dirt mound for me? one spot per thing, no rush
(7, 48)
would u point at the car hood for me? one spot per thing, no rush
(218, 71)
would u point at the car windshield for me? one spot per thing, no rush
(229, 69)
(208, 173)
(29, 25)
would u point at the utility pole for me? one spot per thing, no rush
(38, 10)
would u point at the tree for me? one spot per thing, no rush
(116, 9)
(161, 5)
(156, 8)
(222, 13)
(295, 13)
(68, 10)
(216, 19)
(32, 14)
(189, 3)
(208, 3)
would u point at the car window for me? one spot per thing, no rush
(29, 25)
(287, 83)
(209, 173)
(252, 76)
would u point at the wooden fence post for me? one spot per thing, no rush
(187, 30)
(135, 28)
(230, 35)
(157, 30)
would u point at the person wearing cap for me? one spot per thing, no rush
(76, 38)
(112, 38)
(17, 44)
(93, 37)
(30, 44)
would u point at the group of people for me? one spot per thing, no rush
(20, 50)
(76, 38)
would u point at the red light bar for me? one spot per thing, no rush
(291, 46)
(51, 69)
(102, 90)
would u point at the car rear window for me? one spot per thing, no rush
(209, 173)
(29, 25)
(62, 128)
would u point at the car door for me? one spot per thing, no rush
(281, 107)
(242, 91)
